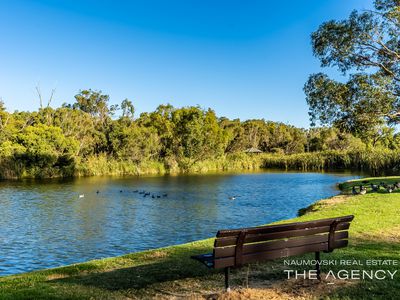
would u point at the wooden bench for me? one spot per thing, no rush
(236, 247)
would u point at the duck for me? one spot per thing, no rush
(158, 196)
(97, 192)
(397, 185)
(165, 195)
(152, 196)
(375, 187)
(135, 191)
(82, 196)
(232, 198)
(389, 189)
(354, 191)
(363, 190)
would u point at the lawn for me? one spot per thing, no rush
(170, 273)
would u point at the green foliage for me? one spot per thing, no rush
(366, 45)
(85, 138)
(90, 138)
(266, 135)
(321, 139)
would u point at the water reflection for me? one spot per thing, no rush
(46, 224)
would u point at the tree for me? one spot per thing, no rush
(4, 118)
(128, 110)
(197, 135)
(161, 121)
(45, 146)
(80, 126)
(132, 142)
(367, 47)
(325, 138)
(95, 103)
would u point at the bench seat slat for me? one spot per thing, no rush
(278, 244)
(258, 237)
(284, 227)
(275, 254)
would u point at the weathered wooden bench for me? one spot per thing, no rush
(236, 247)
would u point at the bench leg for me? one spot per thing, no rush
(318, 264)
(227, 287)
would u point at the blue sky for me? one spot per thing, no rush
(244, 59)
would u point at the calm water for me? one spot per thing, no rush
(47, 224)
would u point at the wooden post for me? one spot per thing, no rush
(227, 287)
(318, 264)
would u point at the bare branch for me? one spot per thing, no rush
(40, 95)
(51, 97)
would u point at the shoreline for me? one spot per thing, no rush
(169, 271)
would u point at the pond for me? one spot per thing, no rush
(52, 223)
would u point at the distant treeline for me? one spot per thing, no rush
(91, 137)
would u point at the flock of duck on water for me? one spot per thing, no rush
(362, 190)
(148, 194)
(143, 192)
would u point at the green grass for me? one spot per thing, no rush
(347, 186)
(169, 272)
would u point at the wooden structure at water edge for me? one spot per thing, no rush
(253, 150)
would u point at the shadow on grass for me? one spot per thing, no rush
(148, 271)
(179, 267)
(171, 273)
(139, 276)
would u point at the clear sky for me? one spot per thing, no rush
(244, 59)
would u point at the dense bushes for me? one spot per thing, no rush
(87, 138)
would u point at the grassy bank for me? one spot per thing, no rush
(170, 273)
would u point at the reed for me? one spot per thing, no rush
(374, 161)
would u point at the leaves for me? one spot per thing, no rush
(366, 45)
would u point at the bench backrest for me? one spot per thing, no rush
(240, 246)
